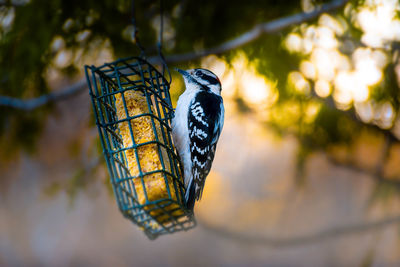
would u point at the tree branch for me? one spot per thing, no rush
(245, 38)
(12, 3)
(394, 181)
(277, 242)
(257, 31)
(33, 103)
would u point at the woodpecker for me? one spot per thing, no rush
(196, 127)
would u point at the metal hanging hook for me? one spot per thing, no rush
(165, 68)
(135, 33)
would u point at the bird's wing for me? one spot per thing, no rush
(206, 116)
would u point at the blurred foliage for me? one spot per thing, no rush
(38, 36)
(41, 37)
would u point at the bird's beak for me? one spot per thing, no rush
(184, 73)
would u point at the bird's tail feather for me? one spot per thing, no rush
(190, 197)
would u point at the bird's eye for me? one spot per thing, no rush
(198, 73)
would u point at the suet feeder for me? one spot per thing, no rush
(133, 110)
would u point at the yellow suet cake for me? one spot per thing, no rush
(149, 156)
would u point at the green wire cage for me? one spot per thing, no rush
(133, 111)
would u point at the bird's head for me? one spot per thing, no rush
(201, 79)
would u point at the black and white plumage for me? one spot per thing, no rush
(196, 127)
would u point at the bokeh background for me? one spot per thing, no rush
(307, 170)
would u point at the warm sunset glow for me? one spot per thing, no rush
(299, 82)
(350, 87)
(336, 26)
(348, 73)
(322, 88)
(343, 85)
(367, 70)
(311, 111)
(256, 90)
(325, 38)
(217, 65)
(294, 42)
(325, 63)
(365, 111)
(308, 69)
(379, 24)
(298, 153)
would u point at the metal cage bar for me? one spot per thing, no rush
(133, 193)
